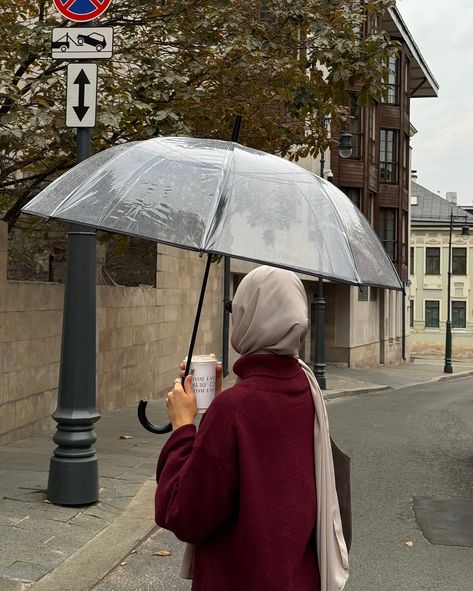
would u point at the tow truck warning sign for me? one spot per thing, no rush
(78, 43)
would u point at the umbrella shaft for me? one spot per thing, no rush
(198, 313)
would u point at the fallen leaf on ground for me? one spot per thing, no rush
(126, 437)
(162, 553)
(123, 563)
(409, 543)
(134, 551)
(47, 501)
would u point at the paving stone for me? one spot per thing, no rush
(26, 571)
(11, 585)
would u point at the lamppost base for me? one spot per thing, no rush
(73, 481)
(447, 369)
(321, 382)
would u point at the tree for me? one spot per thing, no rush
(185, 67)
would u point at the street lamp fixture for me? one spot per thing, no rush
(448, 368)
(318, 331)
(346, 145)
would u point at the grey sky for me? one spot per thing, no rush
(443, 148)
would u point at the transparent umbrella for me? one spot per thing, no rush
(220, 197)
(223, 198)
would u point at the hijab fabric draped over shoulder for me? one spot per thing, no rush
(270, 315)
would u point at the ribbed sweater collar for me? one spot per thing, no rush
(270, 366)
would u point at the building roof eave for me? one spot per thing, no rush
(421, 80)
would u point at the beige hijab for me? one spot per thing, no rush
(269, 315)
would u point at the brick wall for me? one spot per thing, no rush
(142, 334)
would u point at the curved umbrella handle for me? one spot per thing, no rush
(147, 424)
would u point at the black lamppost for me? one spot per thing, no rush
(73, 471)
(318, 327)
(448, 331)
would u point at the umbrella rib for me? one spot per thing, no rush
(225, 171)
(347, 242)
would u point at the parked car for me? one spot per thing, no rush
(94, 39)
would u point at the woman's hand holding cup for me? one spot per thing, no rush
(218, 375)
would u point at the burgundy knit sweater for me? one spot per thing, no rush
(242, 489)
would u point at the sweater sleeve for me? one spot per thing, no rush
(197, 476)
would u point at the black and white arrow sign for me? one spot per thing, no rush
(81, 81)
(81, 95)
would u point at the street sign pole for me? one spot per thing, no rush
(73, 472)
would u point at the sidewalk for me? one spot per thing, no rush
(51, 548)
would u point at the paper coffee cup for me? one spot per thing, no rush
(203, 371)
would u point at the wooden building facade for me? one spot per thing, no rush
(377, 179)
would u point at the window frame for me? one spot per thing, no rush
(389, 156)
(390, 244)
(464, 257)
(392, 81)
(356, 127)
(463, 312)
(437, 248)
(372, 115)
(437, 302)
(348, 191)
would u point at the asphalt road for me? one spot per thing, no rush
(412, 442)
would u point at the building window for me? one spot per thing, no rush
(388, 231)
(406, 86)
(356, 127)
(354, 194)
(388, 156)
(372, 206)
(459, 261)
(411, 314)
(406, 153)
(391, 81)
(458, 314)
(431, 314)
(432, 261)
(413, 253)
(404, 239)
(372, 134)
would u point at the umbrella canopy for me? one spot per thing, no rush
(223, 198)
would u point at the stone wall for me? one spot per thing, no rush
(142, 334)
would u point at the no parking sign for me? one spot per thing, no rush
(81, 10)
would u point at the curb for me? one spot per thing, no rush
(346, 393)
(91, 563)
(373, 389)
(454, 376)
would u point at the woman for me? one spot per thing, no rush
(254, 487)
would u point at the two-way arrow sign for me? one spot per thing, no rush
(81, 95)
